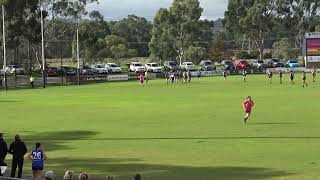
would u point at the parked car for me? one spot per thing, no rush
(292, 64)
(154, 67)
(68, 71)
(52, 71)
(277, 63)
(257, 64)
(113, 68)
(137, 67)
(99, 69)
(227, 65)
(261, 64)
(86, 70)
(269, 63)
(188, 66)
(253, 63)
(241, 64)
(171, 66)
(207, 65)
(15, 69)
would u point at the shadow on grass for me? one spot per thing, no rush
(277, 123)
(204, 138)
(124, 169)
(52, 141)
(10, 101)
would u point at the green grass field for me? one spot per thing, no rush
(172, 132)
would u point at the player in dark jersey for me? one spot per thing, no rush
(304, 78)
(244, 74)
(224, 74)
(172, 77)
(280, 76)
(270, 75)
(292, 76)
(38, 156)
(314, 74)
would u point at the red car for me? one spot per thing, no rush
(241, 64)
(52, 71)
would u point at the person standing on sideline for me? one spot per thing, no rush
(314, 74)
(146, 76)
(280, 76)
(3, 151)
(38, 156)
(32, 81)
(292, 77)
(141, 78)
(248, 105)
(244, 74)
(18, 149)
(304, 78)
(270, 75)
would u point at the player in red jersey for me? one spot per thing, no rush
(248, 105)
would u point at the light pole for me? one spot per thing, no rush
(4, 50)
(42, 50)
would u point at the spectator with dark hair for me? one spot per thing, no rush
(18, 149)
(3, 151)
(137, 177)
(83, 176)
(37, 156)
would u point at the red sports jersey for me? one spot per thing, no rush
(248, 104)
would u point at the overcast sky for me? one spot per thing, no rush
(119, 9)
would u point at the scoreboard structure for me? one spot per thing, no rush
(312, 50)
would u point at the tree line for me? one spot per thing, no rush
(176, 33)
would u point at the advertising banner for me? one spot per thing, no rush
(313, 47)
(118, 78)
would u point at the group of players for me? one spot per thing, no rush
(248, 102)
(292, 76)
(171, 77)
(179, 77)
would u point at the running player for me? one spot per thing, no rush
(292, 76)
(314, 74)
(280, 76)
(37, 156)
(304, 78)
(270, 75)
(224, 74)
(244, 74)
(247, 105)
(141, 79)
